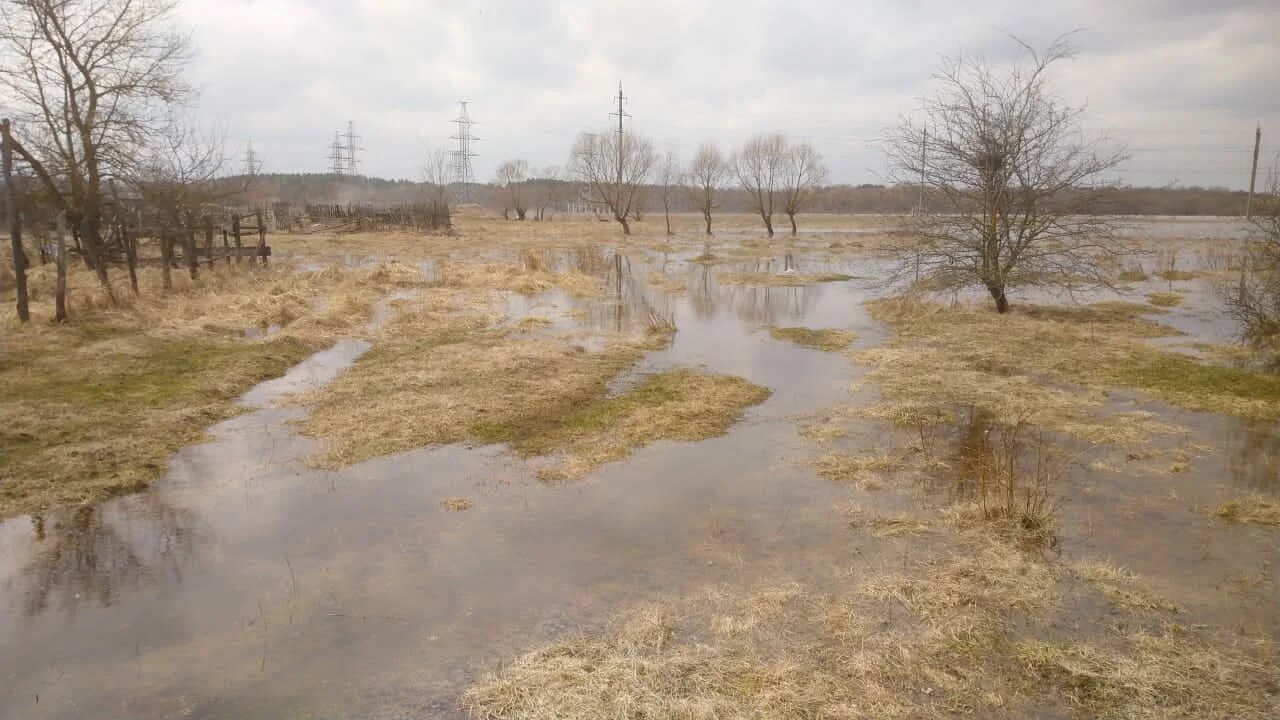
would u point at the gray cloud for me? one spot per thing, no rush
(1181, 83)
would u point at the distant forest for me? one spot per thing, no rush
(301, 188)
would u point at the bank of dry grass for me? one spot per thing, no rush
(1008, 364)
(778, 279)
(829, 339)
(94, 407)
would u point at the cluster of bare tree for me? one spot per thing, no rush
(773, 173)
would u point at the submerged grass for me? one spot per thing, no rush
(826, 339)
(1165, 299)
(1256, 509)
(779, 279)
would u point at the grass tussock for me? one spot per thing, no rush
(95, 407)
(672, 405)
(1165, 299)
(998, 363)
(866, 471)
(1256, 509)
(456, 504)
(827, 339)
(779, 279)
(1121, 586)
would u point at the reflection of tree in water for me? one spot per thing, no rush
(630, 307)
(766, 305)
(92, 554)
(1254, 457)
(702, 295)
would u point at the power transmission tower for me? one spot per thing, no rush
(351, 148)
(252, 164)
(621, 114)
(337, 155)
(1253, 174)
(462, 157)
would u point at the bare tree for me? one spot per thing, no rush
(88, 79)
(1015, 176)
(670, 178)
(512, 176)
(706, 176)
(1255, 301)
(613, 169)
(760, 166)
(437, 172)
(175, 179)
(15, 223)
(550, 191)
(803, 175)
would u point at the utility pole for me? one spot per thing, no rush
(924, 144)
(1253, 174)
(621, 114)
(351, 148)
(462, 157)
(337, 155)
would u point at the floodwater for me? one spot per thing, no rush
(246, 585)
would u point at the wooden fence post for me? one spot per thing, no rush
(235, 232)
(189, 246)
(262, 238)
(208, 237)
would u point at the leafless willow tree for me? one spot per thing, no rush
(760, 167)
(512, 177)
(803, 175)
(175, 180)
(670, 177)
(706, 178)
(550, 191)
(90, 81)
(613, 169)
(1015, 174)
(437, 172)
(1255, 301)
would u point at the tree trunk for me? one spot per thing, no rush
(1002, 301)
(706, 215)
(768, 223)
(626, 227)
(166, 259)
(60, 292)
(666, 211)
(520, 213)
(15, 229)
(792, 217)
(130, 257)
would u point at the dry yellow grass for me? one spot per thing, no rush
(94, 408)
(999, 363)
(865, 471)
(1165, 299)
(1257, 509)
(1121, 586)
(456, 504)
(826, 339)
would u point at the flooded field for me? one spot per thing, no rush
(254, 581)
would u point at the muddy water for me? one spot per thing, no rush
(246, 585)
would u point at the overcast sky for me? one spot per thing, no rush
(1182, 83)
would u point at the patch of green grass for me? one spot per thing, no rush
(826, 339)
(1132, 275)
(672, 405)
(1184, 381)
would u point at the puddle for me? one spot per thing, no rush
(246, 584)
